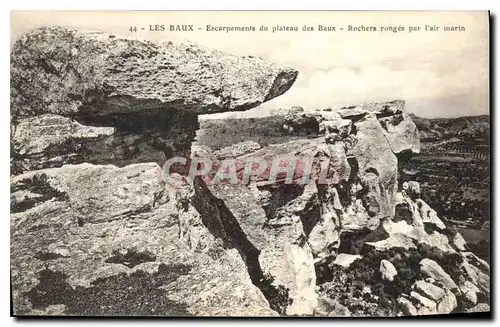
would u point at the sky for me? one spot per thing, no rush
(438, 73)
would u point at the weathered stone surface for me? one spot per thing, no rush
(300, 153)
(36, 135)
(408, 307)
(393, 241)
(399, 130)
(129, 101)
(426, 215)
(301, 124)
(389, 108)
(68, 72)
(432, 269)
(214, 291)
(237, 150)
(422, 301)
(353, 113)
(304, 294)
(288, 257)
(321, 220)
(284, 225)
(363, 214)
(232, 213)
(88, 229)
(478, 276)
(414, 220)
(330, 308)
(278, 250)
(95, 193)
(448, 303)
(377, 167)
(479, 263)
(481, 307)
(335, 124)
(477, 271)
(459, 242)
(469, 291)
(324, 236)
(355, 145)
(208, 249)
(387, 270)
(345, 260)
(401, 133)
(429, 290)
(49, 140)
(415, 233)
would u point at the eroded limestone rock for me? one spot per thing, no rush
(129, 100)
(87, 229)
(432, 269)
(69, 72)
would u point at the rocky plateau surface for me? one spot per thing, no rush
(96, 229)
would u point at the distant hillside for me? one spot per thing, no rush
(475, 128)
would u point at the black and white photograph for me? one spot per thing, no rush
(323, 164)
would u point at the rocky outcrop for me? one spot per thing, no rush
(330, 308)
(470, 291)
(129, 100)
(428, 289)
(294, 228)
(398, 127)
(407, 307)
(432, 269)
(49, 140)
(98, 229)
(425, 305)
(69, 72)
(387, 270)
(345, 260)
(316, 226)
(89, 229)
(95, 230)
(272, 242)
(481, 307)
(372, 156)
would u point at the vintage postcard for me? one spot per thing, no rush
(250, 164)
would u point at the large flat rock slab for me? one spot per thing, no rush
(65, 71)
